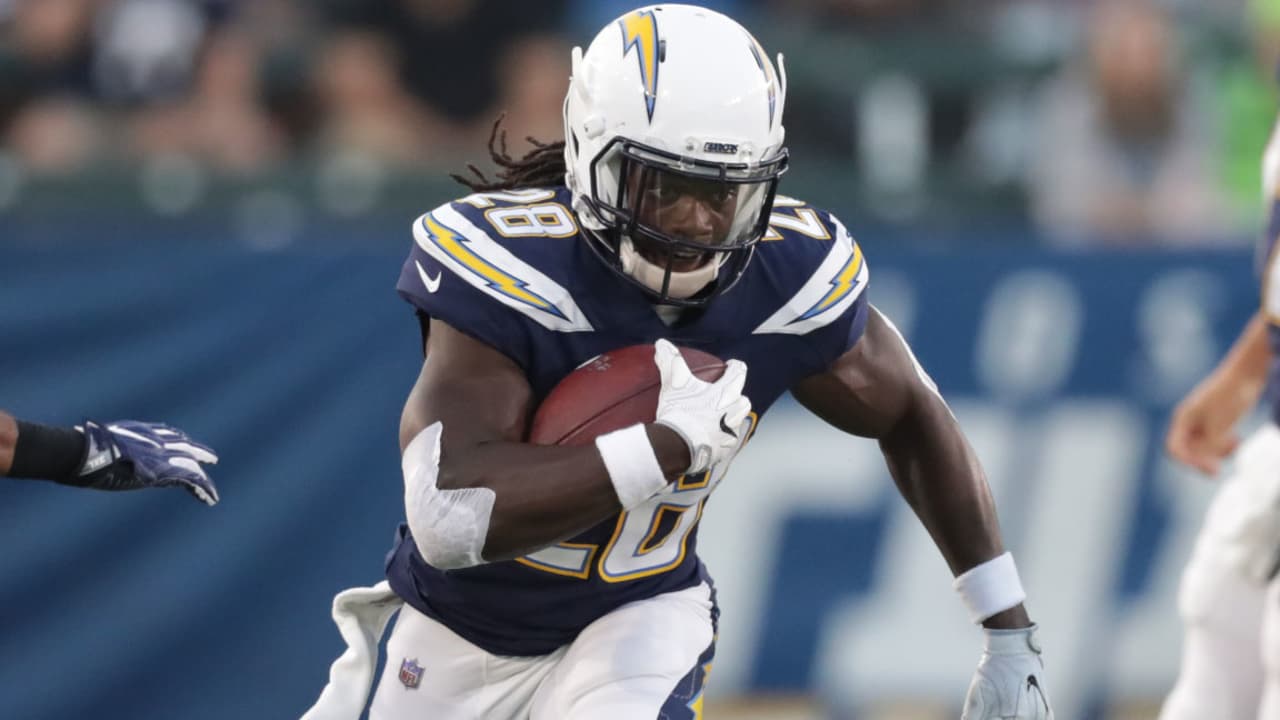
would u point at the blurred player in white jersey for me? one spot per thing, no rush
(1230, 596)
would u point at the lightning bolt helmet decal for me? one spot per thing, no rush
(640, 31)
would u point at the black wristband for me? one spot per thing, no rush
(47, 453)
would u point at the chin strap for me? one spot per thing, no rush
(683, 284)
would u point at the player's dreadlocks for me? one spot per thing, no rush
(540, 167)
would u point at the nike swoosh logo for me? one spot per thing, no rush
(725, 427)
(1032, 682)
(432, 283)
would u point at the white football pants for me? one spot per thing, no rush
(1230, 612)
(646, 657)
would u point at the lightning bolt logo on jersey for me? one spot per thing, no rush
(457, 249)
(511, 270)
(851, 275)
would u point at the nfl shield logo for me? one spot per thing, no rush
(410, 673)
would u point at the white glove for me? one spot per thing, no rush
(710, 417)
(1009, 683)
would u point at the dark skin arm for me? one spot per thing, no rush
(874, 391)
(8, 441)
(544, 493)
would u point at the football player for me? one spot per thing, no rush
(1229, 599)
(562, 582)
(122, 455)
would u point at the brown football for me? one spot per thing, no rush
(609, 392)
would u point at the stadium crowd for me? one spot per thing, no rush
(1116, 120)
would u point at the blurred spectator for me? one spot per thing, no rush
(364, 108)
(46, 46)
(586, 17)
(856, 14)
(221, 121)
(470, 60)
(863, 16)
(146, 50)
(1125, 149)
(534, 79)
(1245, 100)
(44, 67)
(63, 58)
(899, 109)
(56, 135)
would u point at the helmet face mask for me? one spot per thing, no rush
(673, 149)
(680, 215)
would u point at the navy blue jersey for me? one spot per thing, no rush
(511, 270)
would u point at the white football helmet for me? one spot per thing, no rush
(673, 148)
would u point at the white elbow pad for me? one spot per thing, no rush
(449, 526)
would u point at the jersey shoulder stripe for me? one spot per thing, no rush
(478, 259)
(792, 217)
(830, 290)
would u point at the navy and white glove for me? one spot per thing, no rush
(710, 416)
(130, 455)
(1009, 682)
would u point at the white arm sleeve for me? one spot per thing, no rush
(449, 526)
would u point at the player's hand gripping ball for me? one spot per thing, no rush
(695, 394)
(609, 392)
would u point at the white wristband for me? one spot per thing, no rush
(633, 466)
(990, 587)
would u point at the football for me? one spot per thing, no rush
(609, 392)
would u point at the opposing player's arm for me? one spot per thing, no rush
(539, 494)
(878, 390)
(8, 440)
(1202, 431)
(123, 455)
(37, 452)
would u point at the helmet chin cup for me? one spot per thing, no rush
(672, 284)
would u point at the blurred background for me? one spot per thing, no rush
(203, 210)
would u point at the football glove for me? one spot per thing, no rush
(130, 455)
(1009, 683)
(710, 416)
